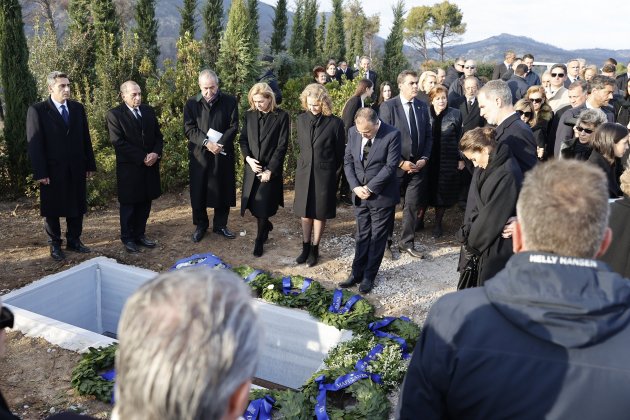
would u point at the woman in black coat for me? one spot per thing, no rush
(610, 141)
(321, 139)
(617, 254)
(264, 140)
(622, 107)
(442, 178)
(541, 120)
(499, 180)
(364, 90)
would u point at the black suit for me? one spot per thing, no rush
(471, 118)
(138, 184)
(212, 177)
(393, 112)
(501, 71)
(63, 153)
(377, 171)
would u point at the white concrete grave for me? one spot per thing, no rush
(80, 308)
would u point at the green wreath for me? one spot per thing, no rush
(86, 376)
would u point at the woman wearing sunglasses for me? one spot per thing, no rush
(6, 321)
(609, 142)
(543, 116)
(579, 147)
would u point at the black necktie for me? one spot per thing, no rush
(138, 116)
(414, 130)
(366, 150)
(64, 115)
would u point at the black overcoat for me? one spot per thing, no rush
(442, 173)
(617, 254)
(269, 147)
(349, 110)
(320, 155)
(214, 173)
(62, 153)
(133, 140)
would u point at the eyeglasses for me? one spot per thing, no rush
(536, 100)
(557, 74)
(6, 318)
(470, 67)
(526, 113)
(585, 130)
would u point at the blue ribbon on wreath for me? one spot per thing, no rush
(336, 308)
(287, 286)
(253, 275)
(376, 326)
(110, 376)
(260, 409)
(207, 259)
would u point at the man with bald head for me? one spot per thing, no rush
(135, 133)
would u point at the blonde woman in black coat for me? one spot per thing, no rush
(264, 140)
(321, 140)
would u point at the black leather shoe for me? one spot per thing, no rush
(199, 233)
(77, 246)
(409, 250)
(56, 253)
(349, 282)
(366, 286)
(388, 252)
(225, 232)
(146, 242)
(131, 247)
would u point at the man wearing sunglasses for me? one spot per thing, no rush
(6, 321)
(557, 94)
(455, 71)
(456, 91)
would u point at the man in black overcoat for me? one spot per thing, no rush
(370, 163)
(211, 161)
(137, 139)
(60, 150)
(416, 141)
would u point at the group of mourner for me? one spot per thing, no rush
(448, 138)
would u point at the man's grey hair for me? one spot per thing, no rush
(52, 77)
(599, 81)
(579, 84)
(596, 117)
(207, 73)
(126, 85)
(367, 114)
(472, 79)
(188, 339)
(497, 89)
(562, 217)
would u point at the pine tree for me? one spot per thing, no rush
(187, 12)
(252, 7)
(310, 28)
(394, 60)
(354, 23)
(80, 18)
(81, 29)
(279, 27)
(212, 15)
(237, 65)
(147, 27)
(19, 90)
(296, 45)
(106, 23)
(335, 38)
(320, 39)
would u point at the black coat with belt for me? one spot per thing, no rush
(617, 254)
(321, 153)
(266, 141)
(213, 172)
(62, 153)
(133, 140)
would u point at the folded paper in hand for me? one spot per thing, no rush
(214, 136)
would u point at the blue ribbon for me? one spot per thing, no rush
(362, 364)
(110, 376)
(287, 286)
(335, 306)
(376, 326)
(208, 259)
(341, 382)
(260, 409)
(253, 275)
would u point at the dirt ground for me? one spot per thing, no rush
(35, 375)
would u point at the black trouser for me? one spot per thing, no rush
(220, 219)
(133, 220)
(371, 239)
(73, 230)
(412, 187)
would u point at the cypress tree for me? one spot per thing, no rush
(147, 27)
(335, 38)
(320, 39)
(279, 27)
(252, 6)
(80, 19)
(310, 28)
(81, 28)
(394, 60)
(237, 62)
(211, 15)
(20, 90)
(296, 46)
(106, 23)
(187, 12)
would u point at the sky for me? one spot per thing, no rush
(545, 21)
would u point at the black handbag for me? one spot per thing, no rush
(469, 276)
